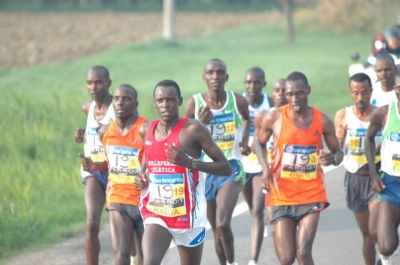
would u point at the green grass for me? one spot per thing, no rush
(41, 195)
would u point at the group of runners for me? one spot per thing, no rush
(162, 180)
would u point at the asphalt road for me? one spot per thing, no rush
(338, 240)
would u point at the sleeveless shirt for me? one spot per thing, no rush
(390, 150)
(174, 193)
(124, 157)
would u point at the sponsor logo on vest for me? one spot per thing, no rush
(148, 142)
(316, 133)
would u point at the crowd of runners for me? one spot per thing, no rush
(162, 180)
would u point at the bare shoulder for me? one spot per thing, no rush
(340, 115)
(239, 98)
(194, 126)
(86, 106)
(144, 128)
(102, 130)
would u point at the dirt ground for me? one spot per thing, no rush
(29, 39)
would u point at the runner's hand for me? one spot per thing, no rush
(326, 159)
(244, 149)
(342, 132)
(141, 181)
(377, 183)
(205, 114)
(266, 179)
(79, 134)
(177, 156)
(87, 163)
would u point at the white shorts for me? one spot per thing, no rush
(181, 237)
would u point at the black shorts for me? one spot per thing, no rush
(131, 211)
(296, 211)
(358, 192)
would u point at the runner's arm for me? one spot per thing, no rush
(335, 157)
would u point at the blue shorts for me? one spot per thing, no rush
(250, 176)
(215, 183)
(392, 192)
(101, 177)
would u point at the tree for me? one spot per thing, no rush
(169, 20)
(288, 11)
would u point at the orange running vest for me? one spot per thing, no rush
(124, 157)
(295, 164)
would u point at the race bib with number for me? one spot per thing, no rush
(395, 150)
(93, 146)
(299, 162)
(222, 129)
(123, 163)
(356, 145)
(167, 195)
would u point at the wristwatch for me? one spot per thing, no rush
(194, 164)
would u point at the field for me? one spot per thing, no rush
(41, 195)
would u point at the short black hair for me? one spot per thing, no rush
(168, 83)
(101, 70)
(216, 60)
(256, 70)
(129, 88)
(296, 76)
(359, 78)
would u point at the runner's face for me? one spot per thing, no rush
(167, 102)
(254, 83)
(296, 93)
(278, 94)
(97, 85)
(361, 94)
(215, 76)
(385, 72)
(124, 103)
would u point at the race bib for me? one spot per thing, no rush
(222, 129)
(357, 146)
(395, 150)
(167, 195)
(93, 146)
(299, 162)
(123, 163)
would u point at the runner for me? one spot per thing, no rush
(226, 114)
(295, 178)
(173, 202)
(254, 83)
(99, 112)
(351, 124)
(387, 185)
(383, 92)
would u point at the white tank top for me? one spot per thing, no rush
(93, 146)
(380, 97)
(250, 162)
(354, 147)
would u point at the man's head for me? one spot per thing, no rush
(254, 82)
(385, 69)
(360, 89)
(296, 91)
(98, 82)
(392, 37)
(167, 99)
(125, 101)
(215, 75)
(278, 93)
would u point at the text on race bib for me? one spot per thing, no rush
(123, 163)
(299, 162)
(93, 146)
(222, 130)
(167, 195)
(395, 150)
(357, 145)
